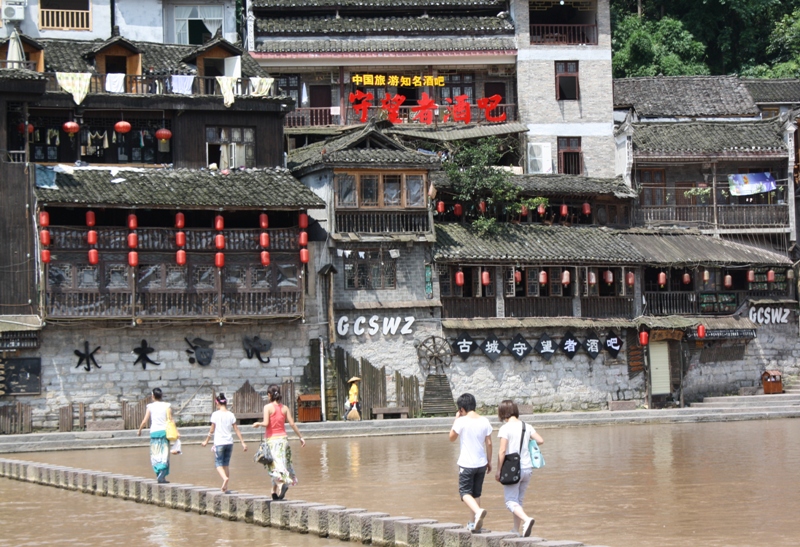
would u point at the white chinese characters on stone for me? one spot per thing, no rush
(570, 345)
(519, 348)
(593, 346)
(464, 346)
(547, 346)
(613, 343)
(492, 346)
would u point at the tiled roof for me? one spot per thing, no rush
(556, 185)
(377, 46)
(689, 96)
(272, 188)
(536, 243)
(349, 26)
(364, 146)
(457, 132)
(378, 4)
(114, 40)
(457, 242)
(773, 91)
(20, 74)
(719, 138)
(70, 56)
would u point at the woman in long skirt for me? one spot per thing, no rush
(275, 417)
(158, 414)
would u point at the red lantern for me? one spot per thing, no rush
(566, 278)
(543, 277)
(21, 128)
(263, 221)
(122, 127)
(94, 256)
(482, 207)
(586, 209)
(219, 241)
(458, 210)
(45, 256)
(608, 277)
(728, 282)
(133, 240)
(564, 210)
(644, 338)
(133, 222)
(265, 258)
(133, 259)
(486, 278)
(541, 209)
(524, 210)
(180, 239)
(44, 219)
(70, 128)
(440, 207)
(592, 279)
(662, 279)
(180, 257)
(771, 276)
(219, 223)
(304, 256)
(44, 237)
(630, 278)
(303, 239)
(263, 239)
(219, 260)
(180, 220)
(517, 276)
(687, 279)
(751, 276)
(701, 331)
(163, 134)
(460, 278)
(90, 220)
(91, 237)
(302, 221)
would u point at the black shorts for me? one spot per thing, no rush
(470, 481)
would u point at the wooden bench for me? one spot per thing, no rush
(247, 403)
(399, 411)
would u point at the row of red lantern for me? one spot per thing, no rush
(727, 281)
(122, 127)
(644, 336)
(566, 278)
(458, 209)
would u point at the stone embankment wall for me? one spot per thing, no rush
(356, 525)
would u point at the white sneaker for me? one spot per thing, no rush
(479, 516)
(527, 527)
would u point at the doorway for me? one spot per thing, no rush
(320, 97)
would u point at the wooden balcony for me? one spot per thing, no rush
(29, 65)
(94, 305)
(534, 306)
(456, 307)
(607, 306)
(564, 35)
(729, 216)
(406, 115)
(692, 303)
(309, 117)
(160, 85)
(65, 19)
(383, 221)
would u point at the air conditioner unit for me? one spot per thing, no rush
(13, 11)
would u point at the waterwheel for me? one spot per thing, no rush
(437, 400)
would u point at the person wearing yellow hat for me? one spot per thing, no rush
(352, 408)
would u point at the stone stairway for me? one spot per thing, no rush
(789, 400)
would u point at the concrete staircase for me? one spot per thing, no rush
(788, 401)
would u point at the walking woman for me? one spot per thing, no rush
(158, 413)
(275, 417)
(511, 436)
(222, 421)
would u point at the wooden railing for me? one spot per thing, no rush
(456, 307)
(160, 85)
(178, 304)
(564, 34)
(89, 304)
(65, 19)
(744, 216)
(607, 306)
(30, 65)
(163, 239)
(407, 115)
(692, 303)
(532, 306)
(304, 116)
(251, 304)
(382, 222)
(14, 156)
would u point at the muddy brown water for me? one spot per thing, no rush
(710, 484)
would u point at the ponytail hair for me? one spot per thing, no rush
(274, 394)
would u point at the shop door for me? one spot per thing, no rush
(320, 104)
(659, 369)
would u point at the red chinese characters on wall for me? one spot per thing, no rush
(457, 109)
(361, 103)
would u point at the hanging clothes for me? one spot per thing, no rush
(115, 82)
(76, 83)
(182, 85)
(53, 136)
(97, 136)
(226, 85)
(259, 87)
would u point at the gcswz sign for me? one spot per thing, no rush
(770, 316)
(361, 325)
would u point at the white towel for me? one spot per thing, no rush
(259, 87)
(115, 82)
(76, 83)
(226, 86)
(182, 84)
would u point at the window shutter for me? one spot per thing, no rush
(540, 158)
(511, 285)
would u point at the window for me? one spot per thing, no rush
(65, 15)
(196, 24)
(380, 190)
(230, 147)
(369, 270)
(653, 184)
(567, 88)
(289, 84)
(458, 84)
(770, 112)
(569, 156)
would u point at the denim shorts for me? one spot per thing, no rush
(222, 455)
(470, 481)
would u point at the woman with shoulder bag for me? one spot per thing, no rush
(514, 436)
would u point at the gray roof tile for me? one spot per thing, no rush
(20, 74)
(457, 131)
(378, 4)
(774, 91)
(383, 26)
(556, 185)
(386, 45)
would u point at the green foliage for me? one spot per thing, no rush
(649, 48)
(485, 225)
(472, 171)
(783, 50)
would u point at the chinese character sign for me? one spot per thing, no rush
(361, 103)
(519, 347)
(592, 344)
(545, 347)
(425, 109)
(613, 344)
(570, 345)
(492, 347)
(464, 345)
(394, 80)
